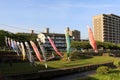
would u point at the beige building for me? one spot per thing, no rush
(107, 28)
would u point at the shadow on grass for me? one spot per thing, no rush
(81, 56)
(21, 68)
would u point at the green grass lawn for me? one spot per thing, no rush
(81, 62)
(113, 75)
(25, 67)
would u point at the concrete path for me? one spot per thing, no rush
(75, 76)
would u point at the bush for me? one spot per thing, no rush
(103, 70)
(75, 55)
(117, 63)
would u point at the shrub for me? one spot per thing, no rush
(75, 55)
(103, 70)
(117, 63)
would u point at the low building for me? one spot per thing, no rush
(59, 40)
(75, 34)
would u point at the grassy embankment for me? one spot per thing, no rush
(25, 67)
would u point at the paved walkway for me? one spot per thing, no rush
(75, 76)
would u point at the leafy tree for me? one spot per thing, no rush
(2, 37)
(78, 45)
(25, 37)
(75, 44)
(100, 44)
(18, 37)
(86, 45)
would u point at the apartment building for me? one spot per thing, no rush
(59, 39)
(107, 28)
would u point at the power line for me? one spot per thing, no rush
(36, 28)
(14, 27)
(18, 28)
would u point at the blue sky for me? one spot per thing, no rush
(24, 15)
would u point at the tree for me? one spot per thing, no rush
(2, 37)
(17, 37)
(78, 45)
(25, 37)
